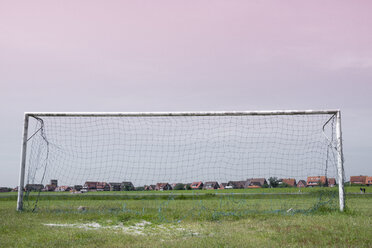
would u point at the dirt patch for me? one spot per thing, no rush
(139, 228)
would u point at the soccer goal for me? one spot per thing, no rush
(231, 161)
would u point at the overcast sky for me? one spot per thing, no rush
(186, 55)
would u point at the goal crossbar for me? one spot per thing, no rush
(187, 113)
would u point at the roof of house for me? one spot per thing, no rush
(316, 179)
(127, 183)
(237, 184)
(302, 181)
(211, 184)
(196, 184)
(162, 185)
(289, 181)
(256, 181)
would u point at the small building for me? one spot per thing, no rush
(54, 182)
(103, 186)
(90, 186)
(127, 186)
(150, 187)
(34, 187)
(255, 183)
(331, 182)
(115, 186)
(63, 188)
(78, 187)
(50, 187)
(289, 181)
(358, 179)
(197, 185)
(211, 185)
(237, 184)
(96, 186)
(369, 181)
(163, 186)
(316, 181)
(222, 185)
(301, 184)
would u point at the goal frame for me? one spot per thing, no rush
(336, 113)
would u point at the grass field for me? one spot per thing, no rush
(186, 221)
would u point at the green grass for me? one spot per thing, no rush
(211, 221)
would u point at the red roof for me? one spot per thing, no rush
(160, 186)
(196, 185)
(289, 181)
(315, 180)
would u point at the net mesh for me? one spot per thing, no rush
(146, 150)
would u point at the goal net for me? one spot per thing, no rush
(213, 163)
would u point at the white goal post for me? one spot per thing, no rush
(335, 113)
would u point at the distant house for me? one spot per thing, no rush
(96, 186)
(90, 185)
(103, 186)
(222, 185)
(150, 187)
(127, 186)
(63, 188)
(163, 186)
(255, 182)
(197, 185)
(211, 185)
(331, 182)
(115, 186)
(34, 187)
(289, 181)
(301, 184)
(358, 179)
(78, 187)
(237, 184)
(50, 187)
(316, 181)
(369, 181)
(54, 182)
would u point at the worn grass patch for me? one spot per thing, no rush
(322, 228)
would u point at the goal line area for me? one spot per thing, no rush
(181, 162)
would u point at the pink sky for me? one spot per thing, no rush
(186, 55)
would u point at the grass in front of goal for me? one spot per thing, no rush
(54, 226)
